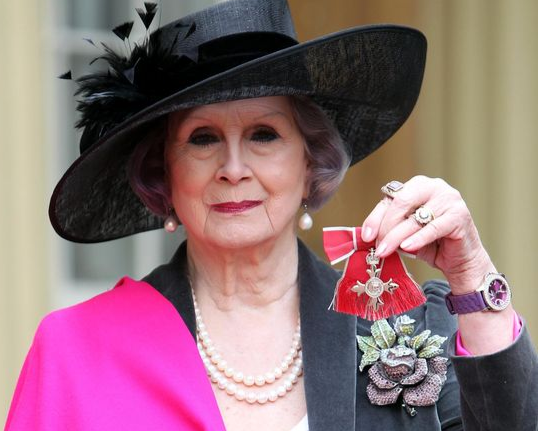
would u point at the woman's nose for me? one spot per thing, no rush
(233, 167)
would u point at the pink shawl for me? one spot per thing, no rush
(123, 360)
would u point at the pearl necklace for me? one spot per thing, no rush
(231, 381)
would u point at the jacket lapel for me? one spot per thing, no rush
(329, 349)
(328, 338)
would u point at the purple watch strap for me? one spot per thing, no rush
(468, 303)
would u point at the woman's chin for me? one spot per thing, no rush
(235, 236)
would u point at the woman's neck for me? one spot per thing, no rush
(252, 277)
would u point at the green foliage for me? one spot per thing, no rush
(368, 358)
(404, 326)
(366, 343)
(371, 352)
(432, 347)
(418, 341)
(384, 335)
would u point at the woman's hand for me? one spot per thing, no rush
(450, 242)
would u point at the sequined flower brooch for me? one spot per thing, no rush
(403, 364)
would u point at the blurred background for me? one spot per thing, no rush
(475, 125)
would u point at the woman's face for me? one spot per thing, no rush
(237, 171)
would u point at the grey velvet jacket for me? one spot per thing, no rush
(495, 392)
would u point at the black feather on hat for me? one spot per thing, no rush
(367, 79)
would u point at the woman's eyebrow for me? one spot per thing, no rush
(257, 118)
(273, 114)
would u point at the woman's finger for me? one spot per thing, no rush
(408, 227)
(370, 227)
(372, 223)
(415, 193)
(435, 230)
(392, 240)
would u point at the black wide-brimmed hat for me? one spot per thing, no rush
(367, 80)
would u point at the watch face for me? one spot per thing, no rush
(497, 295)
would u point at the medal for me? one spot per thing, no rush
(374, 286)
(370, 288)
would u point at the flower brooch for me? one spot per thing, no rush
(401, 363)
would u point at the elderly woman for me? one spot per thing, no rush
(222, 122)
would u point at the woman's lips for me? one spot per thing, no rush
(235, 207)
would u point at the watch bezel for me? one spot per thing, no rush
(488, 280)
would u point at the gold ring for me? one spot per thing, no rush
(424, 215)
(391, 188)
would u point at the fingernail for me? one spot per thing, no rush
(367, 234)
(407, 243)
(380, 249)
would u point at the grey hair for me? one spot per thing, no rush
(325, 151)
(327, 158)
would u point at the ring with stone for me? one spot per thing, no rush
(424, 215)
(391, 188)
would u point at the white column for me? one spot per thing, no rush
(23, 213)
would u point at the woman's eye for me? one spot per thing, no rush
(203, 138)
(264, 135)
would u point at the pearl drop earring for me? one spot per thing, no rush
(171, 223)
(305, 222)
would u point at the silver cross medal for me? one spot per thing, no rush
(374, 287)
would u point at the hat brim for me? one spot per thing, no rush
(367, 80)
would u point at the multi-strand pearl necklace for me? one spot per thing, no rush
(239, 385)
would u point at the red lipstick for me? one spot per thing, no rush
(235, 207)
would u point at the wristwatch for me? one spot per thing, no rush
(494, 295)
